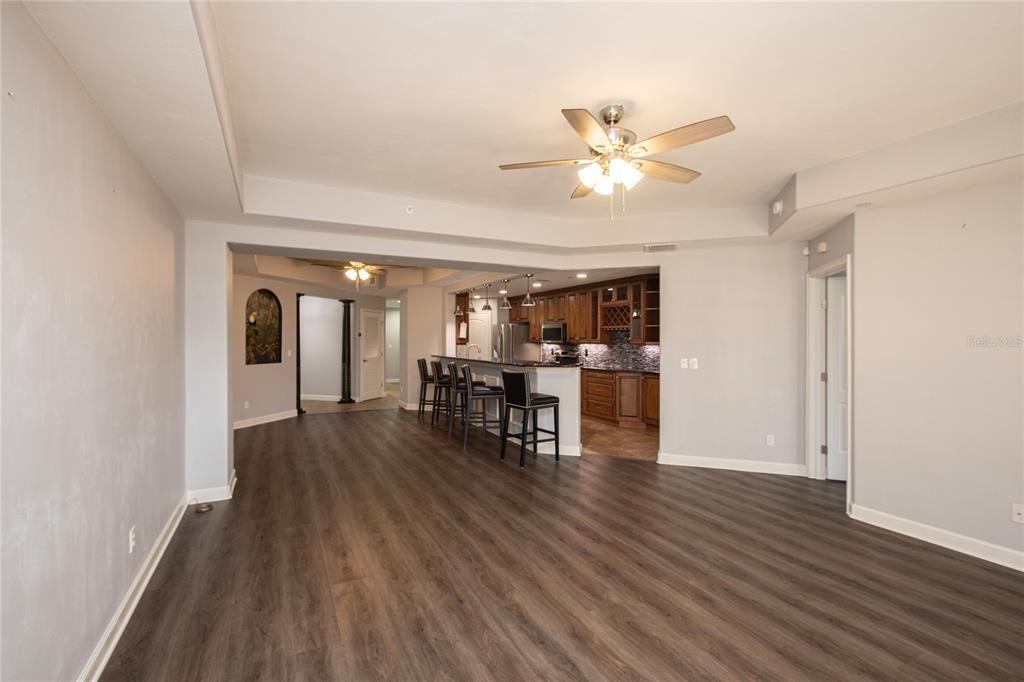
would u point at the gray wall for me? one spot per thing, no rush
(270, 389)
(93, 420)
(320, 340)
(740, 311)
(838, 242)
(937, 417)
(392, 349)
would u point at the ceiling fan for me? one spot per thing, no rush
(616, 158)
(354, 270)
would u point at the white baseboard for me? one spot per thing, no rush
(317, 396)
(1004, 556)
(224, 492)
(549, 449)
(265, 419)
(749, 465)
(392, 381)
(108, 641)
(415, 406)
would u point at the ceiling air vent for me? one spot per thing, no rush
(657, 248)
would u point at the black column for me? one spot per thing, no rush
(298, 356)
(346, 351)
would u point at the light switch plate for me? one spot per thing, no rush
(693, 363)
(769, 440)
(684, 364)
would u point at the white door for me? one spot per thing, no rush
(478, 340)
(371, 347)
(837, 386)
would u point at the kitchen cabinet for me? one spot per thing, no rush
(554, 308)
(536, 318)
(461, 321)
(629, 393)
(652, 399)
(598, 399)
(575, 316)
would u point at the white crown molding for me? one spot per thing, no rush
(1004, 556)
(108, 640)
(748, 465)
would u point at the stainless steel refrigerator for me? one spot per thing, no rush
(512, 343)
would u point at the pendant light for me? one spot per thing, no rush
(458, 308)
(505, 303)
(487, 299)
(472, 308)
(528, 302)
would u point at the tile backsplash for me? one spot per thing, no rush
(620, 354)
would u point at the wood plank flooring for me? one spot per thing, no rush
(366, 546)
(598, 437)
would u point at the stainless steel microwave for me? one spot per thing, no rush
(553, 333)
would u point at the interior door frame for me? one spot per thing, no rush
(359, 335)
(815, 426)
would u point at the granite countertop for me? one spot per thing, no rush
(514, 363)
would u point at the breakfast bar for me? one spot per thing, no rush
(562, 381)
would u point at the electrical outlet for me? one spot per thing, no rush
(289, 352)
(693, 363)
(769, 440)
(684, 363)
(1018, 513)
(131, 540)
(245, 405)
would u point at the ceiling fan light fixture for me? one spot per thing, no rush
(351, 273)
(590, 174)
(604, 185)
(625, 173)
(364, 274)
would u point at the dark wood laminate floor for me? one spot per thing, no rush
(366, 546)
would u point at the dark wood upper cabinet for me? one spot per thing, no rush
(593, 315)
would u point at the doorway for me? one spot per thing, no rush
(829, 411)
(371, 349)
(837, 385)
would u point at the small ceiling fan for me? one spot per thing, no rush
(354, 270)
(616, 158)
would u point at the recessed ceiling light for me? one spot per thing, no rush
(476, 296)
(502, 291)
(537, 285)
(610, 289)
(581, 275)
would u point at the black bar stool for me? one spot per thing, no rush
(457, 394)
(473, 391)
(426, 380)
(519, 396)
(442, 385)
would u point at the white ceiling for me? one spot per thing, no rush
(425, 100)
(142, 64)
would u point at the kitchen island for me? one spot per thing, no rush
(554, 379)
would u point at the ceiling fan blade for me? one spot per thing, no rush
(680, 137)
(544, 164)
(580, 191)
(587, 127)
(659, 170)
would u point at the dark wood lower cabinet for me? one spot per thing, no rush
(598, 399)
(652, 399)
(629, 387)
(629, 399)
